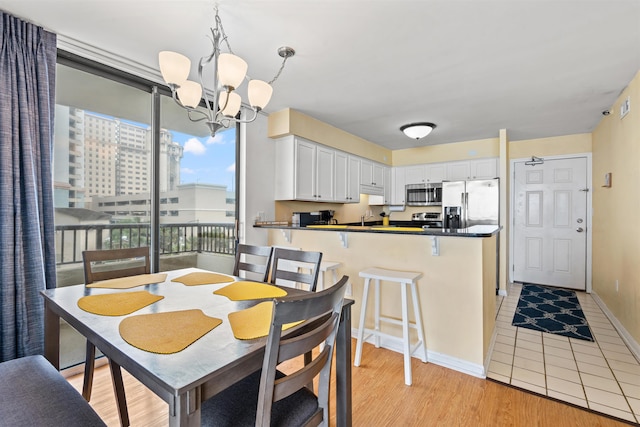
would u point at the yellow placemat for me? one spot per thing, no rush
(399, 228)
(129, 282)
(117, 304)
(246, 290)
(166, 333)
(203, 278)
(254, 322)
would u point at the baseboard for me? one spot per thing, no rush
(395, 344)
(624, 334)
(487, 359)
(502, 292)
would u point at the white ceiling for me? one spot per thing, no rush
(537, 68)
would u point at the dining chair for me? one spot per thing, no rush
(306, 267)
(104, 265)
(253, 259)
(270, 397)
(35, 394)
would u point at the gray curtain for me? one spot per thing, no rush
(27, 237)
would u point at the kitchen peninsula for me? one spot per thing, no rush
(457, 290)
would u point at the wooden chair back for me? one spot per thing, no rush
(115, 263)
(306, 267)
(322, 311)
(253, 259)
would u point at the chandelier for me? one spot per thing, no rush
(229, 71)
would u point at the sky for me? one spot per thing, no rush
(208, 160)
(205, 160)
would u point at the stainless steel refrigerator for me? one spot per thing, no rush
(468, 203)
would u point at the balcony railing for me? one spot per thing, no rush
(71, 240)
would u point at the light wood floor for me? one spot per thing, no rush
(438, 397)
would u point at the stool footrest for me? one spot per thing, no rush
(394, 321)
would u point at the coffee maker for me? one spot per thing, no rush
(327, 217)
(452, 217)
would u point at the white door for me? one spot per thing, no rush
(550, 212)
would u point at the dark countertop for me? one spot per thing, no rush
(473, 231)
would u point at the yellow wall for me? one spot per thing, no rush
(292, 122)
(616, 229)
(447, 152)
(554, 146)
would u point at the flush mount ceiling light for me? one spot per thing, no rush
(417, 130)
(229, 71)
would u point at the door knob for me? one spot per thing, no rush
(579, 229)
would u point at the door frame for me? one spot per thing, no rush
(589, 219)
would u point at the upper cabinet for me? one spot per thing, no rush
(415, 174)
(347, 178)
(472, 169)
(398, 182)
(437, 172)
(314, 172)
(418, 174)
(304, 170)
(372, 176)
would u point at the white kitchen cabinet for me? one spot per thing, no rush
(324, 174)
(484, 168)
(458, 171)
(353, 185)
(398, 181)
(304, 170)
(371, 173)
(435, 172)
(387, 184)
(347, 178)
(415, 174)
(472, 169)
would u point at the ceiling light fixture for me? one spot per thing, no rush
(229, 71)
(417, 130)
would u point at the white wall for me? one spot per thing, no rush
(257, 158)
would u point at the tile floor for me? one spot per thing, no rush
(603, 376)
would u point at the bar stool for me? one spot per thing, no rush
(405, 279)
(326, 266)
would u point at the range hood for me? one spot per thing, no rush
(376, 200)
(371, 190)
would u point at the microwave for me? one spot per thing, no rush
(426, 194)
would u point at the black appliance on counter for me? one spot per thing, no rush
(302, 219)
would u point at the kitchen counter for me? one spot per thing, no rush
(457, 291)
(473, 231)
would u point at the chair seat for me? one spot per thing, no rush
(33, 393)
(237, 405)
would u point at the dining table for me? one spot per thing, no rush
(186, 378)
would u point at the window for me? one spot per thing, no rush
(103, 159)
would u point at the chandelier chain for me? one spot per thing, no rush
(222, 33)
(279, 71)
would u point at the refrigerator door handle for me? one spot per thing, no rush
(466, 209)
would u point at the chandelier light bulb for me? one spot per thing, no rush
(231, 70)
(174, 67)
(230, 108)
(259, 93)
(190, 93)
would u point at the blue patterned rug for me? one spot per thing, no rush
(552, 310)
